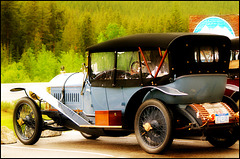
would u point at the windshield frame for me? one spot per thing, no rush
(140, 81)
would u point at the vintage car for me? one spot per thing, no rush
(232, 87)
(159, 86)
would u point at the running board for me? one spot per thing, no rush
(100, 126)
(69, 113)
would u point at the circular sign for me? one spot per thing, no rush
(215, 25)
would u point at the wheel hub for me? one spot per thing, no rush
(155, 124)
(147, 126)
(20, 121)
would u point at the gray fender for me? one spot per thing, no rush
(44, 95)
(168, 90)
(232, 87)
(138, 97)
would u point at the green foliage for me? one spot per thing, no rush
(86, 33)
(7, 119)
(176, 23)
(14, 73)
(8, 106)
(70, 35)
(71, 61)
(47, 66)
(69, 27)
(7, 109)
(29, 61)
(4, 56)
(113, 30)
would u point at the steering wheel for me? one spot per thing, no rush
(135, 67)
(101, 75)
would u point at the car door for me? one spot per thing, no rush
(87, 101)
(115, 99)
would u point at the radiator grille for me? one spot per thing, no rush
(72, 97)
(57, 95)
(69, 97)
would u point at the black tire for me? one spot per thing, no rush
(235, 97)
(223, 140)
(154, 114)
(88, 136)
(27, 121)
(230, 102)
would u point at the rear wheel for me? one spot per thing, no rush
(235, 97)
(154, 126)
(223, 140)
(88, 136)
(27, 121)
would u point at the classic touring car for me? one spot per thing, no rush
(159, 86)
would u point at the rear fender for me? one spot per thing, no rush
(140, 96)
(232, 87)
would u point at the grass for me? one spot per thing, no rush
(7, 119)
(8, 106)
(7, 114)
(7, 109)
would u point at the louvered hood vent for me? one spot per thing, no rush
(69, 97)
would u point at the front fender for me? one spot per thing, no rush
(69, 113)
(19, 89)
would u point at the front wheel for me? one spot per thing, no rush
(154, 126)
(27, 121)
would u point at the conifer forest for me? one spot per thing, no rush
(38, 37)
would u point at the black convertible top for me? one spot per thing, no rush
(144, 40)
(235, 44)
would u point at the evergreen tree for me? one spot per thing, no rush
(70, 35)
(29, 62)
(31, 13)
(175, 22)
(9, 29)
(56, 26)
(43, 33)
(86, 33)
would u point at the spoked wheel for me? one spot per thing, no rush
(27, 121)
(154, 126)
(88, 136)
(235, 97)
(223, 140)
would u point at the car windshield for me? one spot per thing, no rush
(128, 65)
(100, 63)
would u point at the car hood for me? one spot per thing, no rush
(70, 79)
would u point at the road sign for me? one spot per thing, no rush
(215, 25)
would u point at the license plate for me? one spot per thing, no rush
(221, 118)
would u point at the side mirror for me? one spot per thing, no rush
(84, 67)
